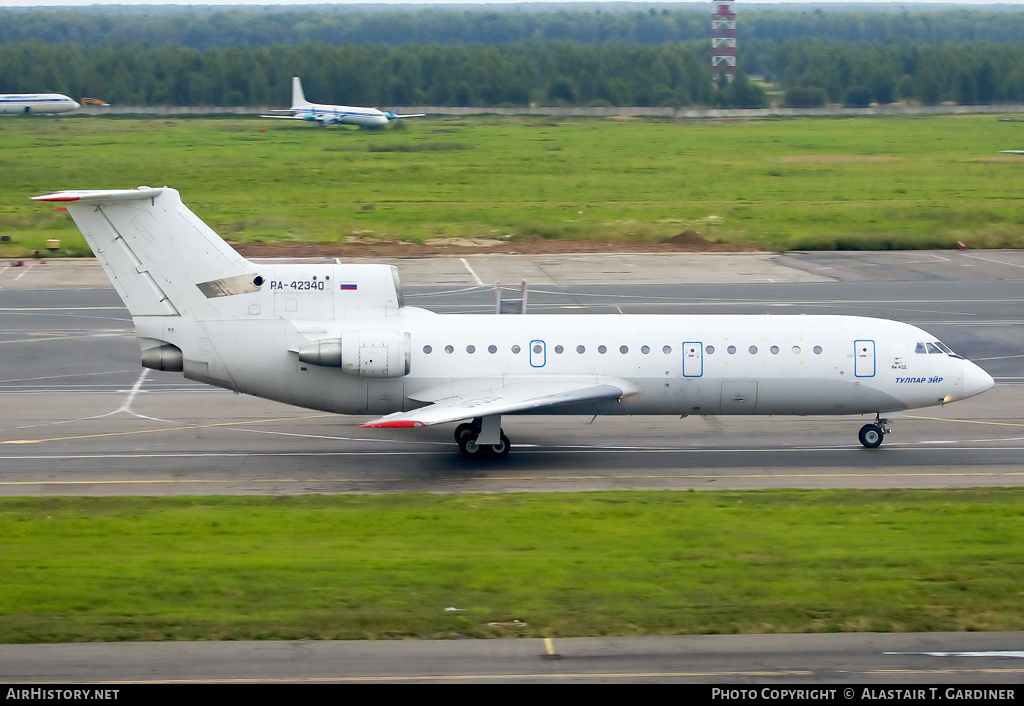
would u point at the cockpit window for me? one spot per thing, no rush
(933, 348)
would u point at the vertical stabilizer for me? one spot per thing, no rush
(158, 254)
(299, 101)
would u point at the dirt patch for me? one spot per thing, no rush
(687, 241)
(836, 159)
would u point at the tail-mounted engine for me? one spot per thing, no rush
(368, 354)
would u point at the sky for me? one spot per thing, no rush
(83, 3)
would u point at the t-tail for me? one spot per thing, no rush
(160, 257)
(193, 298)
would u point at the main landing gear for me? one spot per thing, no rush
(482, 437)
(871, 435)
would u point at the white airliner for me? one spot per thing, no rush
(36, 103)
(339, 338)
(324, 115)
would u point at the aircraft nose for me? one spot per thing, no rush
(76, 104)
(976, 380)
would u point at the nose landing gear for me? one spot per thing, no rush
(871, 435)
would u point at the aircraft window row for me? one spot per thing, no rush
(538, 348)
(775, 350)
(709, 350)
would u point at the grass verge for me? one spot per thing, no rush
(900, 182)
(609, 563)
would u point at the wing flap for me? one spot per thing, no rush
(507, 399)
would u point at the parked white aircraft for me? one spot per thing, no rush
(36, 103)
(339, 338)
(325, 115)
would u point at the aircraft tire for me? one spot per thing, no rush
(871, 436)
(501, 449)
(462, 431)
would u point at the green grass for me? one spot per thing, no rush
(612, 563)
(911, 182)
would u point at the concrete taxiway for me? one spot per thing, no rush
(737, 660)
(79, 416)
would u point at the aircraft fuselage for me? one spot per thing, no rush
(690, 364)
(36, 103)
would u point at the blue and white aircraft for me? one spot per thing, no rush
(324, 114)
(36, 103)
(339, 338)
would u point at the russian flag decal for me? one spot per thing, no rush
(349, 286)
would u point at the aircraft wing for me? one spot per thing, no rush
(283, 117)
(1013, 151)
(508, 399)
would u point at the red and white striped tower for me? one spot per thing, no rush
(723, 40)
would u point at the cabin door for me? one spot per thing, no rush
(693, 360)
(864, 359)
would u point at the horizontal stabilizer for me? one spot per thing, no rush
(102, 196)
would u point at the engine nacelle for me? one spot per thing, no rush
(162, 356)
(368, 354)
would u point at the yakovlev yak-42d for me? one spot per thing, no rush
(339, 338)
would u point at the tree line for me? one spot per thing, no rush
(556, 73)
(204, 28)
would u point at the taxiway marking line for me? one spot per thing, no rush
(470, 269)
(163, 429)
(616, 477)
(965, 421)
(552, 676)
(62, 308)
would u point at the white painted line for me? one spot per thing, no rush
(470, 269)
(998, 262)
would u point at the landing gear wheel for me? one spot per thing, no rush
(871, 435)
(501, 449)
(464, 431)
(466, 436)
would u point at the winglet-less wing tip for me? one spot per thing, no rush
(401, 423)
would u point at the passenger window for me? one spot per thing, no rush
(558, 349)
(623, 350)
(602, 349)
